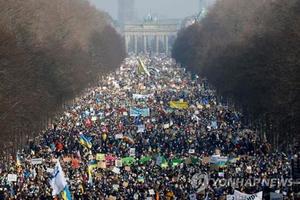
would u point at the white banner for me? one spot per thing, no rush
(242, 196)
(218, 159)
(37, 161)
(141, 96)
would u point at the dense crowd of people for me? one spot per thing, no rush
(147, 133)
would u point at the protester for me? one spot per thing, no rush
(145, 132)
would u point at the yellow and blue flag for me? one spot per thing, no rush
(142, 68)
(85, 141)
(92, 164)
(179, 104)
(66, 194)
(18, 160)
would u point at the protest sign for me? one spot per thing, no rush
(101, 165)
(205, 160)
(141, 128)
(37, 161)
(116, 170)
(166, 126)
(151, 192)
(12, 177)
(50, 170)
(116, 187)
(191, 150)
(118, 163)
(132, 152)
(100, 156)
(119, 136)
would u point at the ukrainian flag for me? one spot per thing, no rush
(91, 166)
(66, 194)
(18, 160)
(86, 142)
(142, 68)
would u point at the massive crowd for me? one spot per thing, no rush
(147, 134)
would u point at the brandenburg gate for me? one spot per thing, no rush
(150, 37)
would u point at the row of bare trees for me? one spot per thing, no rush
(249, 50)
(49, 52)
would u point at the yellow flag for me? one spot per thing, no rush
(179, 104)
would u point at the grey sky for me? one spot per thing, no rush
(162, 8)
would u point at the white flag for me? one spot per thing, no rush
(58, 181)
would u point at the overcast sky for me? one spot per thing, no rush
(162, 8)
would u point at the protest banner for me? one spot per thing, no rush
(134, 112)
(141, 96)
(218, 160)
(242, 196)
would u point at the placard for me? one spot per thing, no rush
(119, 136)
(132, 152)
(191, 150)
(151, 192)
(118, 163)
(12, 177)
(116, 170)
(50, 170)
(100, 156)
(37, 161)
